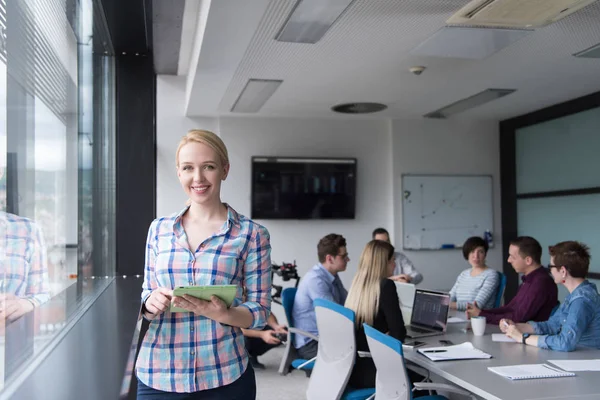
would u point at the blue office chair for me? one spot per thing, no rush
(392, 381)
(336, 355)
(501, 288)
(290, 359)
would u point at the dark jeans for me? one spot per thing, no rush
(242, 389)
(256, 346)
(309, 350)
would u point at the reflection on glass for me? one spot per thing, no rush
(56, 171)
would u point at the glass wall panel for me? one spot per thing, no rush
(57, 160)
(560, 154)
(555, 219)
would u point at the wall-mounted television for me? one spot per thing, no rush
(303, 188)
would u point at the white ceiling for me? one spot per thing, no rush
(366, 55)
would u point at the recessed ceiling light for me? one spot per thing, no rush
(470, 102)
(358, 108)
(255, 94)
(591, 52)
(311, 19)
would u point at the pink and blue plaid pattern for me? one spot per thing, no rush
(23, 261)
(183, 352)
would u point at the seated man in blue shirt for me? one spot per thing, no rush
(321, 282)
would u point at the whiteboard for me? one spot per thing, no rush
(442, 211)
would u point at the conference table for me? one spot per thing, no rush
(473, 375)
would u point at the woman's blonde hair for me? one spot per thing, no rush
(208, 138)
(363, 297)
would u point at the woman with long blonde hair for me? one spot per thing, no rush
(374, 300)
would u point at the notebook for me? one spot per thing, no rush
(463, 351)
(529, 371)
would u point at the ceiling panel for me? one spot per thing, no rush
(366, 57)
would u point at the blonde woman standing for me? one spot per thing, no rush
(200, 354)
(374, 300)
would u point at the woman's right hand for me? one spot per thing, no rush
(159, 301)
(505, 323)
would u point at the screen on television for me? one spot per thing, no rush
(303, 188)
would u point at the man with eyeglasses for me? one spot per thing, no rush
(537, 296)
(321, 282)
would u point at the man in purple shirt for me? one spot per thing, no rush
(536, 297)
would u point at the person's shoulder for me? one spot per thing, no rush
(490, 272)
(388, 285)
(247, 224)
(587, 294)
(164, 222)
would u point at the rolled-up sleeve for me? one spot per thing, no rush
(257, 278)
(552, 326)
(578, 318)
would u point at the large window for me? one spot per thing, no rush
(57, 159)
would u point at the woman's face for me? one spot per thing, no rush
(555, 272)
(477, 257)
(200, 172)
(391, 266)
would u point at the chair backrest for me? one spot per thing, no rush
(287, 300)
(392, 380)
(336, 354)
(501, 288)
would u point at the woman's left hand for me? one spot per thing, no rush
(215, 309)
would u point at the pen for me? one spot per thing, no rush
(434, 351)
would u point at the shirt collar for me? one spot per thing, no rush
(533, 274)
(328, 274)
(233, 218)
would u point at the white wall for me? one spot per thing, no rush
(368, 141)
(445, 147)
(384, 149)
(171, 125)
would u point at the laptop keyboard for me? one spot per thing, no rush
(419, 330)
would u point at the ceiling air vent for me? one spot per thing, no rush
(358, 108)
(515, 13)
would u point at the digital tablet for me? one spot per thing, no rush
(224, 292)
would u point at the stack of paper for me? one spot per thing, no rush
(529, 371)
(577, 365)
(501, 337)
(463, 351)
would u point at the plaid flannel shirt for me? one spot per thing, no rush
(23, 260)
(184, 352)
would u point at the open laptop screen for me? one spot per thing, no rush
(430, 309)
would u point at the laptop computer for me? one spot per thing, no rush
(406, 296)
(429, 314)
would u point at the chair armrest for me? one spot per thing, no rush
(306, 363)
(441, 386)
(303, 333)
(419, 370)
(364, 354)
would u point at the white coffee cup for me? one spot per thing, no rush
(478, 325)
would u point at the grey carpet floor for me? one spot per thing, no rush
(272, 386)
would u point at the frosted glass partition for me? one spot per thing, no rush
(560, 154)
(554, 219)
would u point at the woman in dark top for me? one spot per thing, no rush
(374, 300)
